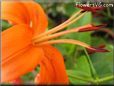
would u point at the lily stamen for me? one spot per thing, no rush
(71, 41)
(63, 25)
(61, 33)
(88, 27)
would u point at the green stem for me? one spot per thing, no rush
(93, 81)
(80, 78)
(105, 14)
(105, 79)
(94, 73)
(108, 11)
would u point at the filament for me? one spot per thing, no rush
(68, 41)
(61, 26)
(60, 33)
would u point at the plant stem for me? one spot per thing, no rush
(80, 78)
(108, 11)
(93, 81)
(105, 79)
(105, 14)
(92, 67)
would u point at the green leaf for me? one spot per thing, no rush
(70, 9)
(83, 65)
(103, 62)
(81, 73)
(67, 51)
(5, 25)
(96, 41)
(79, 77)
(82, 36)
(86, 19)
(28, 77)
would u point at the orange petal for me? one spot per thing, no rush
(28, 12)
(14, 12)
(21, 64)
(38, 18)
(17, 81)
(58, 75)
(15, 39)
(46, 75)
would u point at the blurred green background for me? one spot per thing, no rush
(81, 67)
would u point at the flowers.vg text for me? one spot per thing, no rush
(95, 4)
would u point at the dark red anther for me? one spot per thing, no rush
(92, 28)
(100, 48)
(88, 8)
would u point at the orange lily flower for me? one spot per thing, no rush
(26, 45)
(19, 55)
